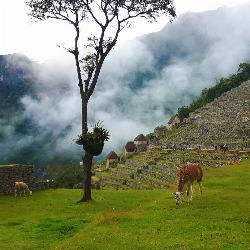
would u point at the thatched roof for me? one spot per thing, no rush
(112, 156)
(140, 137)
(130, 146)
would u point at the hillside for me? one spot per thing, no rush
(221, 86)
(51, 219)
(226, 120)
(142, 84)
(16, 80)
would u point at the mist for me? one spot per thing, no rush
(174, 65)
(144, 80)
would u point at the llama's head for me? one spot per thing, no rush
(177, 196)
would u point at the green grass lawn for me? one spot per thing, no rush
(132, 219)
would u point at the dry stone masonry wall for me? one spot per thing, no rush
(225, 120)
(9, 174)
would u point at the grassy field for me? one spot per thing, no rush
(132, 219)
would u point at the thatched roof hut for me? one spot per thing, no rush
(140, 138)
(130, 147)
(141, 142)
(112, 159)
(112, 156)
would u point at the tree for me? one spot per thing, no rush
(111, 17)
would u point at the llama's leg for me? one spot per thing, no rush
(200, 187)
(15, 192)
(188, 190)
(192, 192)
(181, 198)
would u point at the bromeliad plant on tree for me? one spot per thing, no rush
(93, 142)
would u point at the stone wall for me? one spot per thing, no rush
(226, 120)
(9, 174)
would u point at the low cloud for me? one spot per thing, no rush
(144, 80)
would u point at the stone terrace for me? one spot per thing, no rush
(226, 120)
(156, 167)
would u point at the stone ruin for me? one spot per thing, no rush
(9, 174)
(130, 148)
(112, 159)
(141, 143)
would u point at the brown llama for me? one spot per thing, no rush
(21, 187)
(186, 176)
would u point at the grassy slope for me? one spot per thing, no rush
(133, 219)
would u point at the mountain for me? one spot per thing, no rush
(226, 120)
(149, 78)
(22, 140)
(16, 77)
(143, 82)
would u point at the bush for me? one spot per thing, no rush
(93, 142)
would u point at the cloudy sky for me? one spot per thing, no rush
(200, 47)
(39, 40)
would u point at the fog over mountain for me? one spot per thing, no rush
(146, 80)
(143, 81)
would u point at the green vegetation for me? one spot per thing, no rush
(222, 86)
(132, 219)
(155, 168)
(64, 176)
(93, 142)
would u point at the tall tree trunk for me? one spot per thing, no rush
(87, 158)
(84, 115)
